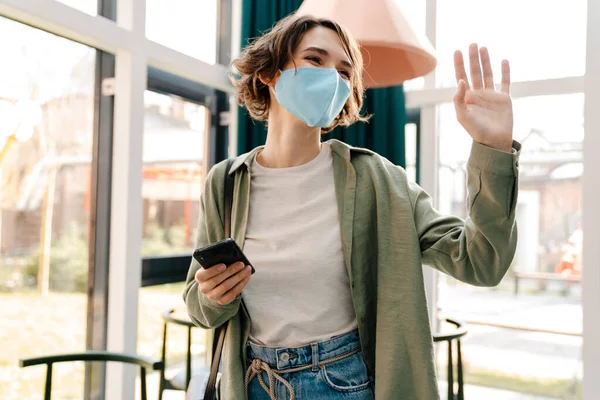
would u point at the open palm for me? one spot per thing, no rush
(486, 114)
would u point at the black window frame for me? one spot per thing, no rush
(101, 184)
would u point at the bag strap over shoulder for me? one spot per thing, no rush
(229, 182)
(220, 332)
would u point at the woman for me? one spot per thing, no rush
(338, 235)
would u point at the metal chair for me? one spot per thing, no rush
(104, 356)
(181, 380)
(461, 331)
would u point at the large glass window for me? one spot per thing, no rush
(529, 327)
(411, 140)
(174, 170)
(414, 12)
(46, 124)
(542, 39)
(188, 26)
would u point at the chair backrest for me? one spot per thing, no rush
(450, 337)
(143, 362)
(169, 318)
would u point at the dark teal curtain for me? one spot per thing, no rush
(384, 133)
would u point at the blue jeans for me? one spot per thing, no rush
(333, 369)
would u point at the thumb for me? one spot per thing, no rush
(459, 97)
(461, 91)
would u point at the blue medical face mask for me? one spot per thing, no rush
(313, 95)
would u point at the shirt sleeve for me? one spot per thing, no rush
(479, 249)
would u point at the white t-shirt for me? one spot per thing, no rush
(300, 292)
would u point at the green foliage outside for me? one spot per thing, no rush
(69, 256)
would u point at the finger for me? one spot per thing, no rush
(505, 87)
(476, 81)
(204, 274)
(221, 291)
(209, 284)
(486, 65)
(234, 292)
(228, 284)
(459, 67)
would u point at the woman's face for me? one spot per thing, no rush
(322, 48)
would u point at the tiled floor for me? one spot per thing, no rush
(482, 393)
(539, 355)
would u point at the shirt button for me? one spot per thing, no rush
(285, 357)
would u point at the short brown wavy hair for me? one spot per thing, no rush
(270, 52)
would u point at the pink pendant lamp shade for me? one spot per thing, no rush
(392, 51)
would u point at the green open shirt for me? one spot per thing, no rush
(389, 230)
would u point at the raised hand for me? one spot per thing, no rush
(486, 114)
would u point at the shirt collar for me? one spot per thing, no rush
(340, 148)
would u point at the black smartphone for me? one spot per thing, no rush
(224, 252)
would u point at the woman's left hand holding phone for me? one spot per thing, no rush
(223, 284)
